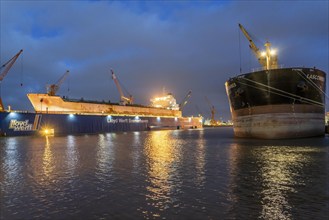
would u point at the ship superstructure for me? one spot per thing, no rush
(166, 101)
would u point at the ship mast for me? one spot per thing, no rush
(268, 58)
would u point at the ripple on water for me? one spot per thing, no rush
(197, 174)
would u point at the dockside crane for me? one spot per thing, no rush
(212, 111)
(268, 59)
(5, 71)
(183, 103)
(124, 100)
(53, 88)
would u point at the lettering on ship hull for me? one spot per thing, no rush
(20, 125)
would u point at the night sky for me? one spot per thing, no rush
(176, 45)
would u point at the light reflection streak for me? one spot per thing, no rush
(162, 154)
(273, 173)
(200, 160)
(136, 154)
(233, 170)
(105, 155)
(11, 168)
(278, 178)
(71, 154)
(47, 159)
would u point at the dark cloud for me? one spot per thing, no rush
(151, 45)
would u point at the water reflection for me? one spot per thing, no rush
(272, 179)
(10, 169)
(279, 180)
(200, 160)
(136, 154)
(47, 160)
(163, 157)
(72, 158)
(39, 164)
(194, 174)
(105, 156)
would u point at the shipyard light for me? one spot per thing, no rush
(47, 131)
(273, 52)
(263, 54)
(136, 117)
(176, 119)
(71, 117)
(158, 118)
(12, 114)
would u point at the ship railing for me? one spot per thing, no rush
(257, 69)
(19, 111)
(105, 113)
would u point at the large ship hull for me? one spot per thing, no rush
(20, 123)
(278, 103)
(44, 103)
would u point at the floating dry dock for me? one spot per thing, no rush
(54, 114)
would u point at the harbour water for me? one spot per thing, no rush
(180, 174)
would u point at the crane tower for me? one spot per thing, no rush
(7, 66)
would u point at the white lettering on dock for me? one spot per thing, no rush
(138, 121)
(20, 125)
(120, 120)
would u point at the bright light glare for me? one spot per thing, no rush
(12, 114)
(48, 131)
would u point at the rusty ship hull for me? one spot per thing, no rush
(278, 103)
